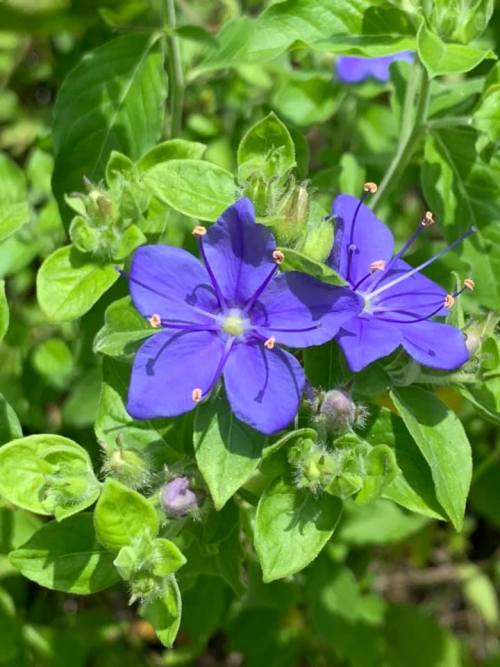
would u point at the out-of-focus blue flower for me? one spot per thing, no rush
(399, 302)
(353, 69)
(226, 317)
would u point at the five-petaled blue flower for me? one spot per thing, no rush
(399, 302)
(354, 69)
(227, 318)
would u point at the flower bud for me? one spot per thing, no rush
(314, 466)
(177, 498)
(128, 467)
(338, 411)
(289, 217)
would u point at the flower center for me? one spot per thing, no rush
(234, 322)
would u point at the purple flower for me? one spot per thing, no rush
(177, 498)
(353, 69)
(399, 302)
(226, 317)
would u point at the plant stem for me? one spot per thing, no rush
(409, 134)
(176, 72)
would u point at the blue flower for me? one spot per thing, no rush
(227, 317)
(399, 302)
(353, 69)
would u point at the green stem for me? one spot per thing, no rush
(410, 132)
(176, 72)
(450, 121)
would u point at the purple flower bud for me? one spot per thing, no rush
(177, 498)
(338, 410)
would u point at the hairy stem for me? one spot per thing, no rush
(175, 71)
(418, 90)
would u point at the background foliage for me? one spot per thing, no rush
(163, 119)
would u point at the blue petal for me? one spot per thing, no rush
(373, 241)
(170, 282)
(263, 386)
(240, 252)
(353, 69)
(166, 370)
(435, 345)
(311, 311)
(364, 339)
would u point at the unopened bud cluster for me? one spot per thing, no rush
(106, 217)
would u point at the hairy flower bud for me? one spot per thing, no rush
(338, 411)
(177, 498)
(128, 466)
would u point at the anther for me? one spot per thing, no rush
(199, 230)
(469, 284)
(270, 343)
(278, 256)
(196, 395)
(449, 301)
(379, 265)
(155, 321)
(352, 247)
(370, 187)
(428, 219)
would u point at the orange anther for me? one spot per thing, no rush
(379, 265)
(270, 343)
(199, 230)
(370, 187)
(279, 256)
(197, 395)
(449, 301)
(155, 321)
(469, 284)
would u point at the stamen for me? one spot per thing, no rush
(469, 284)
(368, 188)
(199, 230)
(379, 265)
(270, 343)
(253, 299)
(449, 301)
(408, 274)
(196, 395)
(278, 256)
(428, 219)
(155, 321)
(188, 326)
(313, 328)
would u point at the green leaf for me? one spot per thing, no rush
(124, 329)
(4, 311)
(441, 58)
(227, 451)
(443, 442)
(463, 191)
(325, 366)
(164, 614)
(486, 117)
(413, 488)
(114, 424)
(14, 208)
(297, 261)
(122, 515)
(32, 468)
(10, 629)
(380, 522)
(267, 149)
(53, 360)
(485, 397)
(291, 528)
(118, 93)
(173, 149)
(10, 426)
(70, 283)
(356, 26)
(306, 99)
(196, 188)
(66, 557)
